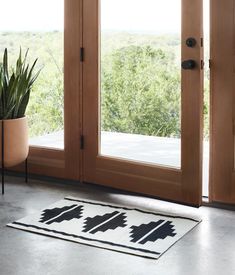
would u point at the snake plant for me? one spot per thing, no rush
(15, 87)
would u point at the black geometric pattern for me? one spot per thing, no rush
(120, 228)
(103, 223)
(58, 215)
(152, 231)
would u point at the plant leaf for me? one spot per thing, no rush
(15, 92)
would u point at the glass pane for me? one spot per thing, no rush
(38, 26)
(141, 80)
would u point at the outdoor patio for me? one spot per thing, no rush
(155, 150)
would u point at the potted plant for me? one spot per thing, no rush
(15, 88)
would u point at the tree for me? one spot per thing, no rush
(140, 91)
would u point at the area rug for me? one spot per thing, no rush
(110, 226)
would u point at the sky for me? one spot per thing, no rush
(158, 16)
(141, 15)
(28, 15)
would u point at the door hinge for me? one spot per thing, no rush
(209, 63)
(202, 44)
(81, 142)
(82, 54)
(202, 64)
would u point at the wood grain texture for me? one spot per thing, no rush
(179, 185)
(44, 161)
(72, 77)
(222, 184)
(192, 102)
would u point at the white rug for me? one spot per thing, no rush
(115, 227)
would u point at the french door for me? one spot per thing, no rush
(137, 111)
(143, 95)
(65, 162)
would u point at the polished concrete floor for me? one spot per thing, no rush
(207, 249)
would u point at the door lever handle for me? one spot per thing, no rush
(188, 64)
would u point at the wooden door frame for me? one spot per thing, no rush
(222, 100)
(51, 161)
(181, 185)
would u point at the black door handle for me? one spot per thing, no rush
(188, 64)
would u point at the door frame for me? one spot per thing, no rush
(183, 185)
(222, 100)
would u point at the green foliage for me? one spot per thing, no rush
(45, 111)
(45, 108)
(140, 82)
(15, 88)
(141, 85)
(141, 91)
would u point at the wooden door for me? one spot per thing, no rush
(65, 163)
(44, 159)
(182, 182)
(222, 175)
